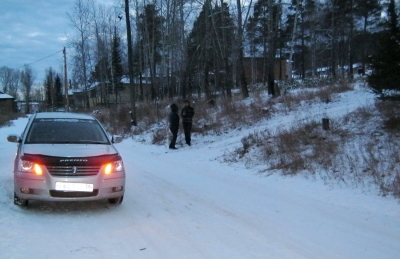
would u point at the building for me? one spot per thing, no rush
(255, 69)
(33, 106)
(7, 104)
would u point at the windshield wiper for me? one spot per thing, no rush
(90, 142)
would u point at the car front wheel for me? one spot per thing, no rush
(116, 200)
(20, 202)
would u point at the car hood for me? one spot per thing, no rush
(69, 150)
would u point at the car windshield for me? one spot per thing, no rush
(62, 131)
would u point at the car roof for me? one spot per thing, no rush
(63, 115)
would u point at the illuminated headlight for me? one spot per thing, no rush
(31, 167)
(116, 166)
(26, 165)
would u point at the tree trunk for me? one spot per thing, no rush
(240, 74)
(130, 64)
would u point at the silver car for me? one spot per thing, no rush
(67, 157)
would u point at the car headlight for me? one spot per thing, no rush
(31, 167)
(116, 166)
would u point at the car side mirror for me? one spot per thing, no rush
(116, 139)
(14, 138)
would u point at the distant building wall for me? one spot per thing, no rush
(282, 69)
(6, 106)
(255, 69)
(33, 107)
(6, 103)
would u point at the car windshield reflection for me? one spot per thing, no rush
(66, 131)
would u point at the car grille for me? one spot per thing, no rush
(64, 194)
(73, 170)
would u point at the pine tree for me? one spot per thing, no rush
(49, 88)
(369, 12)
(197, 48)
(150, 26)
(263, 27)
(222, 42)
(117, 68)
(386, 63)
(27, 79)
(210, 50)
(58, 96)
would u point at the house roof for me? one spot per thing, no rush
(74, 90)
(5, 96)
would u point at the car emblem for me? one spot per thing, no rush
(74, 169)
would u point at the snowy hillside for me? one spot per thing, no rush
(193, 203)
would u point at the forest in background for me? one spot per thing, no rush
(185, 48)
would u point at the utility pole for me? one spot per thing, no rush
(65, 81)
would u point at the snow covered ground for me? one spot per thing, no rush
(185, 203)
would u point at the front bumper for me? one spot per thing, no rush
(42, 187)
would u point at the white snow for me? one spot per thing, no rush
(185, 203)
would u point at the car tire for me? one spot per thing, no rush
(20, 202)
(116, 200)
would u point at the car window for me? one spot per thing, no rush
(74, 131)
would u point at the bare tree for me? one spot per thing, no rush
(173, 46)
(27, 79)
(150, 27)
(38, 94)
(180, 57)
(130, 64)
(9, 78)
(81, 19)
(240, 74)
(102, 22)
(298, 5)
(273, 10)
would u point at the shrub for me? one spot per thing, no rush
(159, 136)
(6, 119)
(389, 110)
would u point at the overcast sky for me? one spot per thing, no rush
(33, 30)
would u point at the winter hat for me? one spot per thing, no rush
(174, 107)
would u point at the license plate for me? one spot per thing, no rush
(74, 187)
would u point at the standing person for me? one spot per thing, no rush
(173, 124)
(187, 114)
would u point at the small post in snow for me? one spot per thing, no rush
(325, 123)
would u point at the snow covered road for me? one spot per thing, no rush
(185, 204)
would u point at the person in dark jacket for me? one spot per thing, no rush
(187, 114)
(173, 124)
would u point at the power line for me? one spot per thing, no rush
(41, 59)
